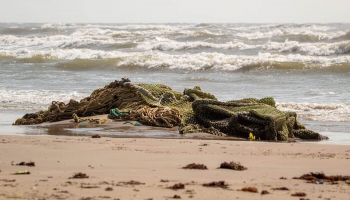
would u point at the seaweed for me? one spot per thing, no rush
(79, 175)
(250, 189)
(29, 164)
(220, 184)
(195, 166)
(280, 188)
(265, 192)
(313, 177)
(177, 186)
(131, 183)
(233, 166)
(299, 194)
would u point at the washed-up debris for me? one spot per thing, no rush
(195, 166)
(265, 192)
(233, 166)
(220, 184)
(29, 164)
(176, 197)
(190, 192)
(109, 189)
(321, 177)
(164, 181)
(250, 189)
(280, 188)
(299, 194)
(177, 186)
(8, 180)
(96, 136)
(283, 178)
(159, 105)
(79, 175)
(130, 183)
(88, 186)
(20, 172)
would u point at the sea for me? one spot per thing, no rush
(305, 67)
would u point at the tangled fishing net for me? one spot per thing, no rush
(193, 111)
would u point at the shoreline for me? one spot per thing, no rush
(112, 162)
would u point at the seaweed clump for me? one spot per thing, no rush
(220, 184)
(195, 166)
(313, 177)
(265, 192)
(299, 194)
(233, 166)
(29, 164)
(250, 189)
(79, 175)
(177, 186)
(281, 188)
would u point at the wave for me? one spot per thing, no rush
(317, 49)
(264, 27)
(302, 36)
(57, 41)
(296, 32)
(34, 99)
(336, 112)
(164, 44)
(28, 30)
(197, 61)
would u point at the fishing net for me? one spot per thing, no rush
(193, 111)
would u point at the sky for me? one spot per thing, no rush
(175, 11)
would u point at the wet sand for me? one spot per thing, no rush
(156, 164)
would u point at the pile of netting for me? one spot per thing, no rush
(193, 111)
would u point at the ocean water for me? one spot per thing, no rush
(305, 67)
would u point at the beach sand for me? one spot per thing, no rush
(145, 168)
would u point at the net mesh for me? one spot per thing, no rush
(193, 111)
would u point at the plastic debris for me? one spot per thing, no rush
(20, 172)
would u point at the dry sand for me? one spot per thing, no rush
(111, 163)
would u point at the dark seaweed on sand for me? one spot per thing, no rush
(250, 189)
(233, 166)
(131, 183)
(195, 166)
(299, 194)
(265, 192)
(29, 164)
(220, 184)
(79, 175)
(280, 188)
(313, 177)
(177, 186)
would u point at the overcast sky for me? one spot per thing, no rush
(175, 11)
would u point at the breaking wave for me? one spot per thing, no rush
(317, 49)
(197, 61)
(336, 112)
(164, 44)
(34, 99)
